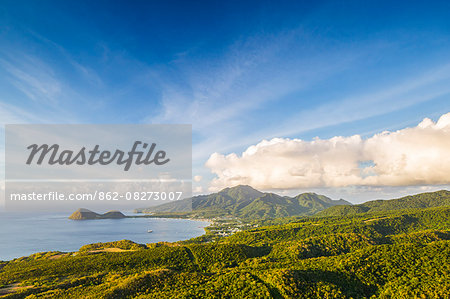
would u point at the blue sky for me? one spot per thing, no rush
(239, 72)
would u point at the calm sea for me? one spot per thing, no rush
(25, 234)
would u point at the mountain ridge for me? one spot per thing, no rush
(246, 202)
(416, 201)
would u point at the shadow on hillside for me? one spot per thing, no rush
(322, 283)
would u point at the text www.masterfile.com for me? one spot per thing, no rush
(96, 195)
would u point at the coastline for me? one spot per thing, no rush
(72, 235)
(210, 221)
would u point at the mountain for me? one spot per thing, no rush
(422, 200)
(247, 202)
(85, 214)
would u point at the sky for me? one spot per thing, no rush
(347, 99)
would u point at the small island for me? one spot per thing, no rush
(85, 214)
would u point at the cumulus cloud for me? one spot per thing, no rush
(412, 156)
(198, 178)
(198, 189)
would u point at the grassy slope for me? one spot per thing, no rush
(418, 201)
(400, 254)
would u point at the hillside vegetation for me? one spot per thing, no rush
(396, 254)
(246, 202)
(423, 200)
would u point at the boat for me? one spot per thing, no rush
(149, 231)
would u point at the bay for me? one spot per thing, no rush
(22, 234)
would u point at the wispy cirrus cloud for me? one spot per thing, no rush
(221, 95)
(407, 91)
(33, 77)
(10, 114)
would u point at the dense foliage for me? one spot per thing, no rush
(420, 201)
(397, 254)
(122, 244)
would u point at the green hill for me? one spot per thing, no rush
(422, 200)
(401, 254)
(246, 202)
(85, 214)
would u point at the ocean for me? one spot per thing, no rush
(25, 233)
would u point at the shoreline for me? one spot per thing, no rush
(209, 223)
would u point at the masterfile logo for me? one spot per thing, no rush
(94, 152)
(94, 156)
(108, 163)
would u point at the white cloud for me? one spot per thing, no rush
(198, 178)
(408, 157)
(34, 78)
(198, 189)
